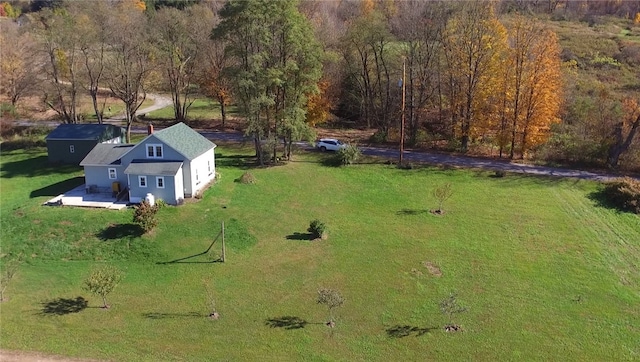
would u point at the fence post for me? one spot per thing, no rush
(223, 250)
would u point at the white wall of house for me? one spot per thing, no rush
(199, 173)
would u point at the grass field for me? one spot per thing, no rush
(545, 272)
(201, 109)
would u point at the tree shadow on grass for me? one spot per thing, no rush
(286, 322)
(156, 315)
(243, 162)
(601, 199)
(331, 161)
(401, 331)
(62, 306)
(58, 188)
(300, 236)
(185, 260)
(411, 212)
(119, 231)
(35, 167)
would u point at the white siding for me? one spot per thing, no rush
(199, 166)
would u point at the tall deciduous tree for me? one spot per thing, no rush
(94, 26)
(274, 65)
(473, 42)
(177, 36)
(130, 58)
(419, 25)
(17, 63)
(56, 30)
(535, 85)
(370, 64)
(625, 131)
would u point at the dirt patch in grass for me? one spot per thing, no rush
(432, 268)
(21, 356)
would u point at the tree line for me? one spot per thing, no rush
(472, 77)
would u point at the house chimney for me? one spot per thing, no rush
(150, 128)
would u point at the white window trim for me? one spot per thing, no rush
(72, 149)
(115, 174)
(154, 148)
(209, 167)
(140, 178)
(158, 178)
(197, 178)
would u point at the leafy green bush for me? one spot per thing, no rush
(145, 215)
(317, 229)
(624, 193)
(378, 137)
(7, 110)
(348, 155)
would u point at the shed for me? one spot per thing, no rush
(70, 143)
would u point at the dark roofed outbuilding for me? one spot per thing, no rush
(70, 143)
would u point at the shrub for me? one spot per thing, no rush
(145, 215)
(247, 178)
(378, 137)
(624, 193)
(8, 110)
(348, 155)
(317, 228)
(161, 203)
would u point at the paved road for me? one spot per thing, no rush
(410, 156)
(483, 163)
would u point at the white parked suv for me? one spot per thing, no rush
(330, 144)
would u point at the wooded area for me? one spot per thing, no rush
(481, 76)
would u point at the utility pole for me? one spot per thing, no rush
(402, 85)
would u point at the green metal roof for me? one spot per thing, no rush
(87, 131)
(106, 154)
(184, 140)
(153, 168)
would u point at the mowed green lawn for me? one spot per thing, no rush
(545, 272)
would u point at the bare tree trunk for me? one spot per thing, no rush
(621, 146)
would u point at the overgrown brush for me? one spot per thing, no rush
(348, 155)
(624, 193)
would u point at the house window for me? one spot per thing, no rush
(160, 182)
(154, 151)
(142, 181)
(197, 178)
(72, 149)
(209, 167)
(113, 174)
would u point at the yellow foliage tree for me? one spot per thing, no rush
(318, 105)
(474, 43)
(535, 86)
(367, 6)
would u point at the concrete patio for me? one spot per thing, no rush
(80, 198)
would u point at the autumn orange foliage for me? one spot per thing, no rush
(318, 105)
